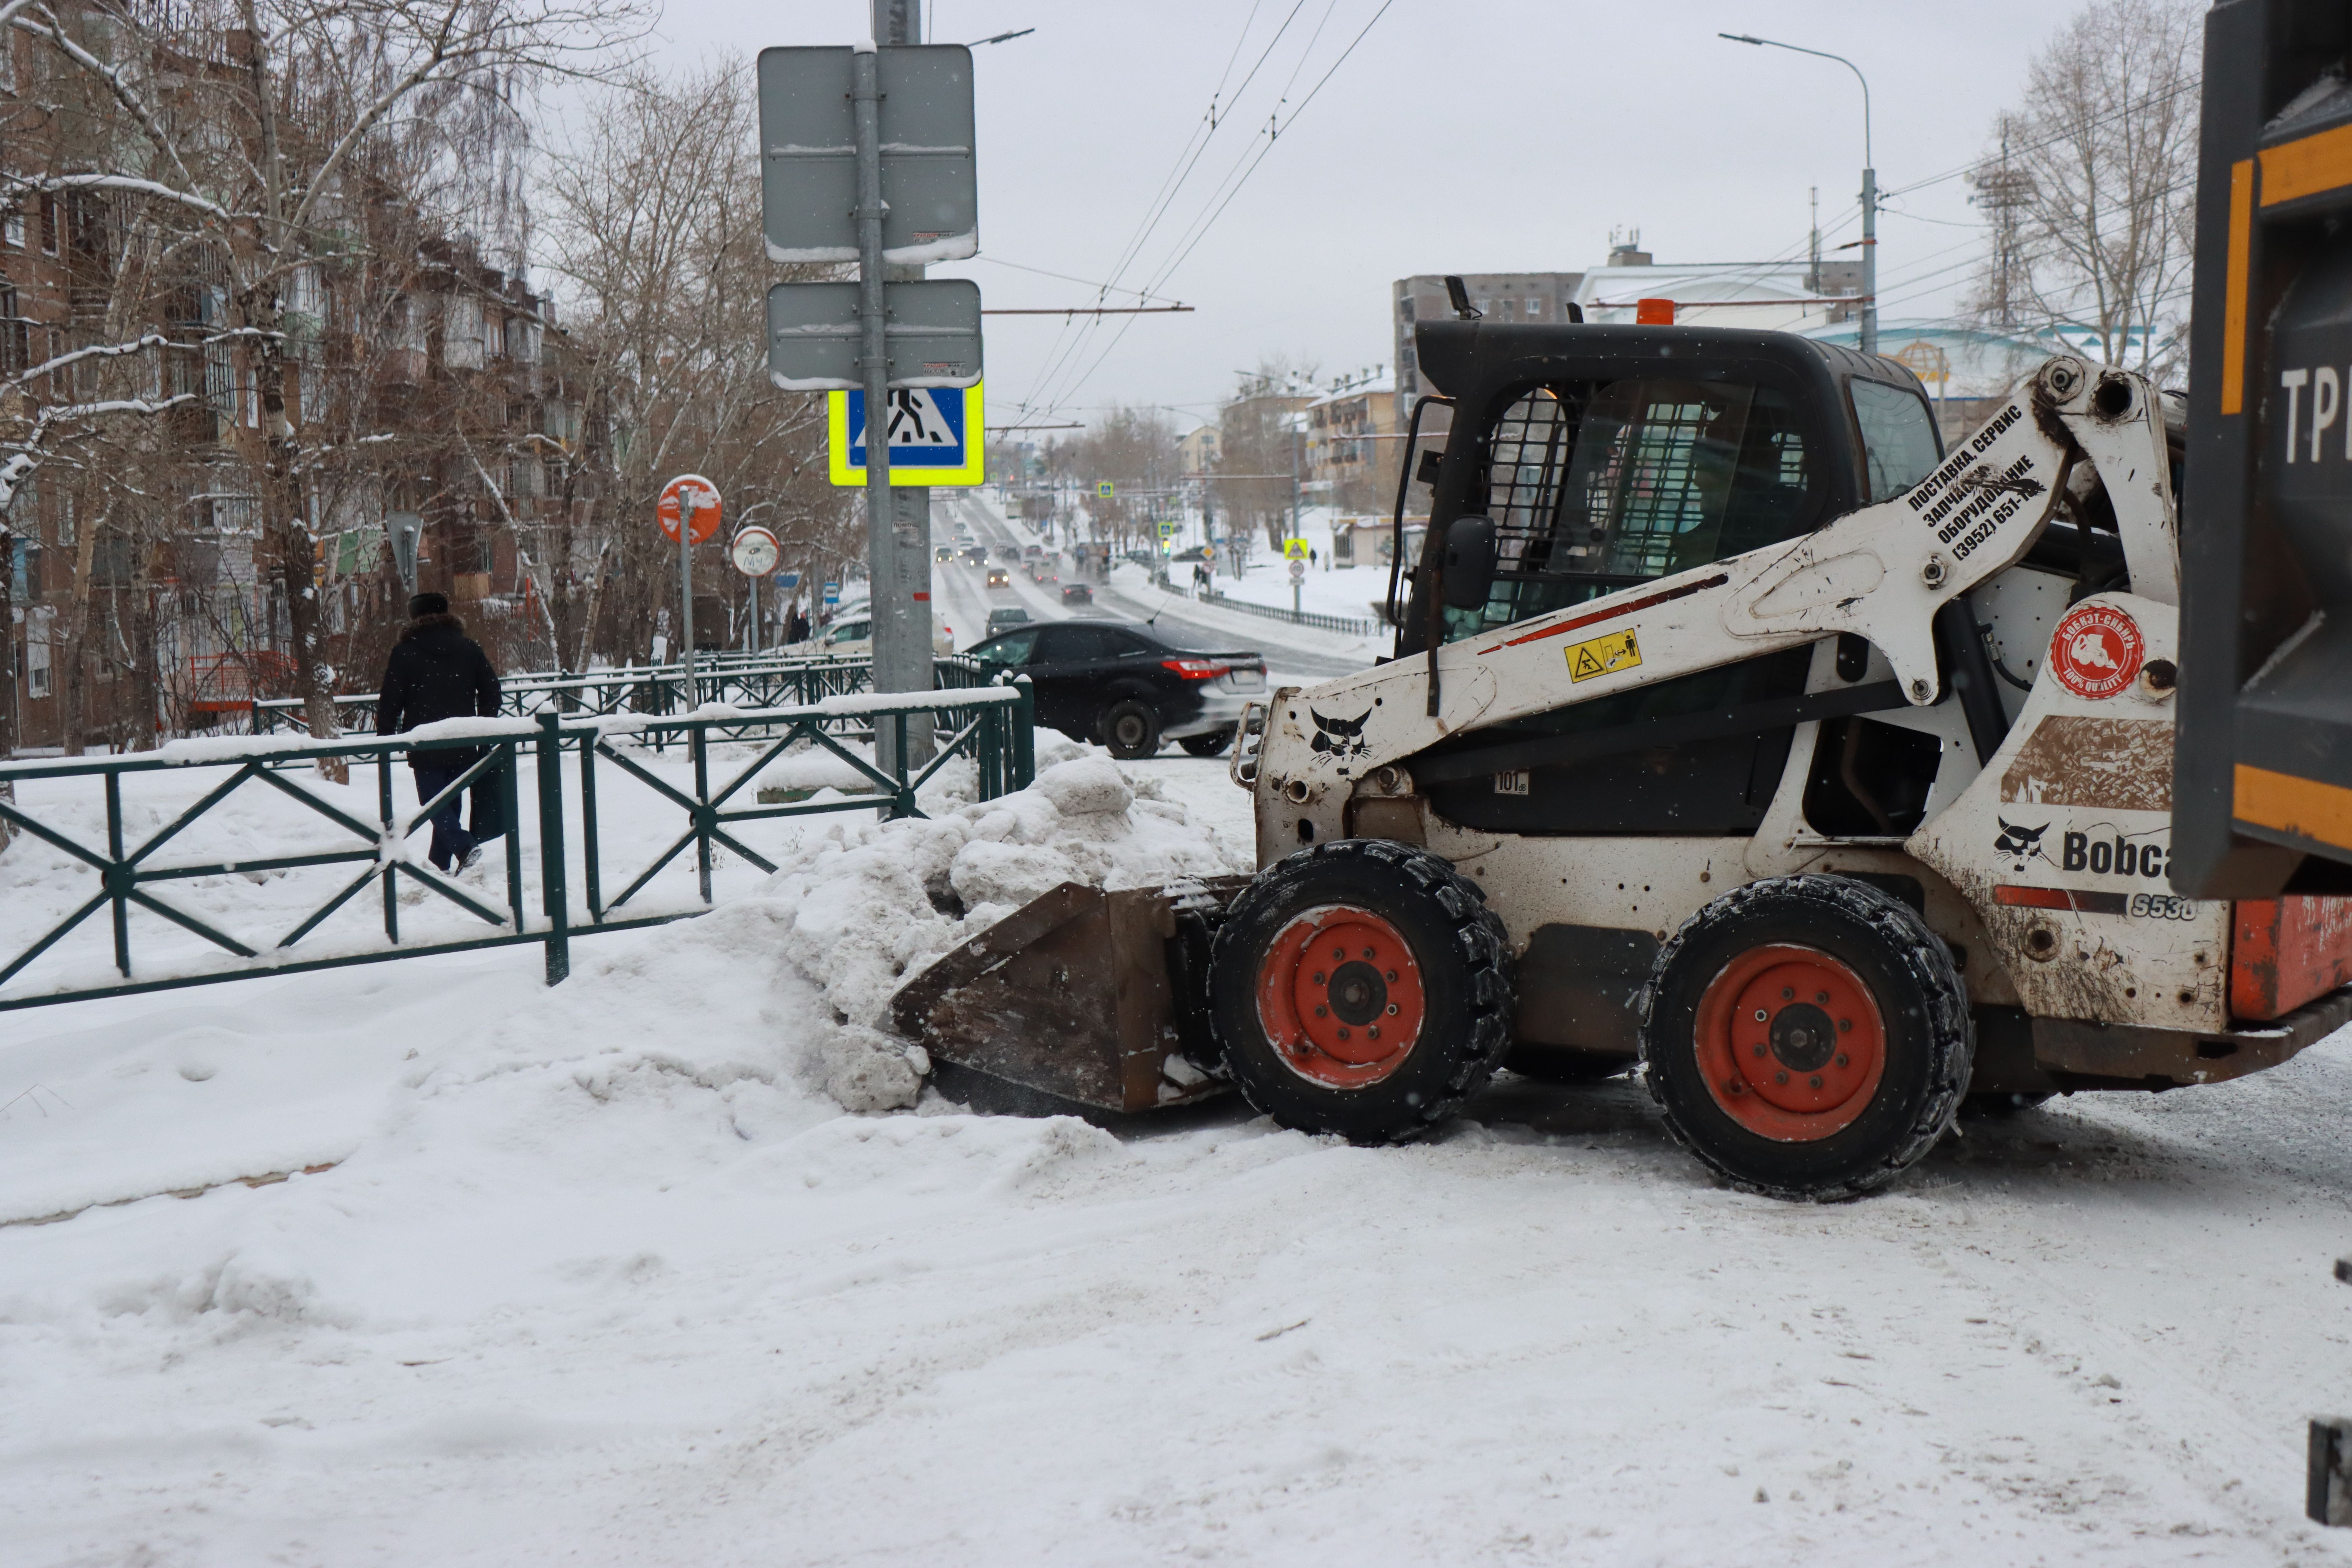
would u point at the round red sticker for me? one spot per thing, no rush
(2097, 651)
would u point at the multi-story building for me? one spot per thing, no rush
(1497, 296)
(432, 388)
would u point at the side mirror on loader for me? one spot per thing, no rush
(1469, 562)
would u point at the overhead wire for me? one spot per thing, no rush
(1200, 231)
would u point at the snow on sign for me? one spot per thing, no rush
(694, 491)
(935, 437)
(754, 552)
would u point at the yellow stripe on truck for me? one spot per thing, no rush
(2233, 295)
(2285, 804)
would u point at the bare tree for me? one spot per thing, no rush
(249, 134)
(1261, 444)
(652, 228)
(2093, 192)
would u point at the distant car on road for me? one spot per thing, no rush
(1031, 551)
(944, 552)
(854, 638)
(973, 555)
(1043, 572)
(1005, 620)
(1077, 593)
(998, 577)
(1126, 687)
(1008, 553)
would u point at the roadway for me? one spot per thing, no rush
(961, 593)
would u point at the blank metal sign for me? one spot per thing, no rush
(808, 154)
(933, 333)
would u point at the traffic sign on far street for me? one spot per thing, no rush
(682, 493)
(1102, 489)
(832, 593)
(1168, 528)
(1294, 549)
(937, 437)
(754, 552)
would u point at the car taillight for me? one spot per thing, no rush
(1194, 669)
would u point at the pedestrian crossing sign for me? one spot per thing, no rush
(1294, 549)
(1168, 527)
(937, 437)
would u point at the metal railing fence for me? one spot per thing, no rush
(992, 726)
(738, 680)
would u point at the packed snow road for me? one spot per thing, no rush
(603, 1275)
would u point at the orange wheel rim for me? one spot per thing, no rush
(1791, 1042)
(1339, 997)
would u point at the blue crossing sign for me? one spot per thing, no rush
(937, 437)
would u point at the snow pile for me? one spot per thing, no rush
(869, 902)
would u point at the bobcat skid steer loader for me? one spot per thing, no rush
(1737, 728)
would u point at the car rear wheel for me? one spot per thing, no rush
(1209, 744)
(1131, 731)
(1807, 1038)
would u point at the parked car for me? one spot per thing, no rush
(1005, 620)
(1127, 686)
(1077, 593)
(853, 637)
(998, 577)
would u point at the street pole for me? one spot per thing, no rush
(1869, 327)
(898, 544)
(754, 649)
(687, 496)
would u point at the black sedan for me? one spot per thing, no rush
(1126, 688)
(1077, 593)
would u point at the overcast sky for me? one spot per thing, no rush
(1458, 136)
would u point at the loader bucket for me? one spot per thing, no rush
(1079, 1001)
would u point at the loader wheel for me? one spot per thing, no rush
(1361, 987)
(1807, 1038)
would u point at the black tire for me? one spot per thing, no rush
(1998, 1105)
(1461, 964)
(1209, 744)
(1130, 730)
(1858, 937)
(1565, 1064)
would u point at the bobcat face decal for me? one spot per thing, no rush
(2021, 842)
(1339, 740)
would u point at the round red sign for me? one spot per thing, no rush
(2097, 651)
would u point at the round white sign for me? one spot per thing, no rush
(754, 552)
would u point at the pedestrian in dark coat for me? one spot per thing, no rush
(437, 672)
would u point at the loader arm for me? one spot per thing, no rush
(1880, 572)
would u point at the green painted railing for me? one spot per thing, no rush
(992, 726)
(739, 680)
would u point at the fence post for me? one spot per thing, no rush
(120, 877)
(699, 739)
(510, 815)
(555, 898)
(1024, 734)
(902, 802)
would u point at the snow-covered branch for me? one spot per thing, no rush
(119, 182)
(120, 88)
(102, 351)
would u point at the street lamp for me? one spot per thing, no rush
(1869, 185)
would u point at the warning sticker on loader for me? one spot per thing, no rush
(1603, 656)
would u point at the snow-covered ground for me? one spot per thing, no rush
(606, 1274)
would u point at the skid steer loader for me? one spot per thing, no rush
(1737, 728)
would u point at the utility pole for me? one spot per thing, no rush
(897, 518)
(1869, 183)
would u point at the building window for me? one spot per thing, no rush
(12, 228)
(1535, 308)
(48, 223)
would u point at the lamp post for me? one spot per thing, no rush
(1869, 185)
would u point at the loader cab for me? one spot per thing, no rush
(1609, 455)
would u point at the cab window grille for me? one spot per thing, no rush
(1596, 488)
